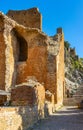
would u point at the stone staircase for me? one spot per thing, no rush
(76, 99)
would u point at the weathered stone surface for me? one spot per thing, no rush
(30, 52)
(29, 18)
(30, 93)
(18, 118)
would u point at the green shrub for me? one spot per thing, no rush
(67, 44)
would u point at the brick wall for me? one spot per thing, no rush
(45, 58)
(60, 70)
(31, 101)
(42, 63)
(22, 95)
(10, 56)
(7, 61)
(28, 95)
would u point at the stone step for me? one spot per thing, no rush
(69, 102)
(76, 99)
(77, 95)
(79, 91)
(72, 101)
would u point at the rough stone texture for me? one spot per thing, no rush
(29, 18)
(43, 66)
(60, 70)
(29, 52)
(9, 54)
(18, 118)
(2, 55)
(49, 96)
(31, 93)
(7, 61)
(76, 98)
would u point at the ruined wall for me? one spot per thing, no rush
(18, 118)
(30, 100)
(2, 54)
(35, 65)
(22, 95)
(60, 69)
(31, 53)
(8, 53)
(40, 62)
(29, 18)
(26, 94)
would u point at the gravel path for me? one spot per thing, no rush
(68, 118)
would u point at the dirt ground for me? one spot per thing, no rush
(68, 118)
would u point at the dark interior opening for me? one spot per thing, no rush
(22, 47)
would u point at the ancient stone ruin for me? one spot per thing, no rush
(31, 63)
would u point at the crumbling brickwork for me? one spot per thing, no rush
(60, 69)
(28, 52)
(28, 94)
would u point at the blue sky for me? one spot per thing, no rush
(67, 14)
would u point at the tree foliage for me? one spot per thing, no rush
(67, 44)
